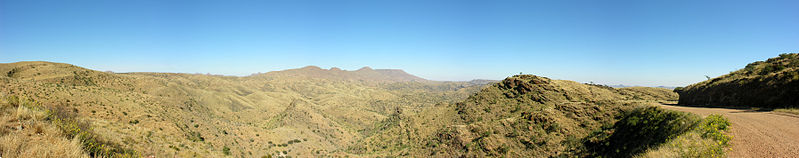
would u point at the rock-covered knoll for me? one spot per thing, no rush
(773, 83)
(59, 72)
(521, 116)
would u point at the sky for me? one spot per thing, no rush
(632, 42)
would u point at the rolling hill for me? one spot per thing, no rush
(299, 112)
(305, 112)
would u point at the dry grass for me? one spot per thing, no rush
(794, 111)
(26, 133)
(688, 145)
(24, 145)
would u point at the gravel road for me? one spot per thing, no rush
(756, 133)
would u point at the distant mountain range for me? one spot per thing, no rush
(365, 74)
(623, 86)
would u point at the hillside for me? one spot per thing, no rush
(312, 112)
(773, 83)
(521, 116)
(301, 112)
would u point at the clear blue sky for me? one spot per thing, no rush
(635, 42)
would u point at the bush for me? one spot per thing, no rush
(226, 150)
(713, 127)
(678, 89)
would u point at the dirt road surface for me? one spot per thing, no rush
(756, 133)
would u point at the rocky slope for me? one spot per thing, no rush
(773, 83)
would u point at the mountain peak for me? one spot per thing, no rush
(311, 67)
(365, 68)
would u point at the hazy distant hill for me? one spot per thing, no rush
(625, 86)
(771, 83)
(363, 74)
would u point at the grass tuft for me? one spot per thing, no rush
(52, 132)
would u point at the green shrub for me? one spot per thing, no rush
(678, 89)
(714, 126)
(195, 136)
(226, 150)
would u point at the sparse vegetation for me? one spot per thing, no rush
(126, 107)
(71, 136)
(794, 111)
(341, 113)
(530, 116)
